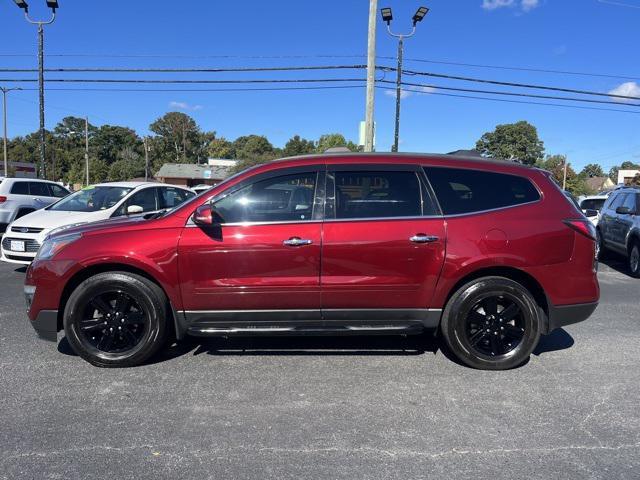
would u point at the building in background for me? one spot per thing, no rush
(19, 170)
(599, 184)
(625, 176)
(191, 174)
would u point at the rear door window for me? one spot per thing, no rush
(171, 197)
(57, 191)
(39, 189)
(383, 194)
(20, 188)
(461, 191)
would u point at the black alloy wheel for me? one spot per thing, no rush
(492, 323)
(112, 322)
(495, 326)
(116, 319)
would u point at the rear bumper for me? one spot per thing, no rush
(46, 325)
(560, 316)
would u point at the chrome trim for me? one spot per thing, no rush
(377, 219)
(424, 238)
(190, 223)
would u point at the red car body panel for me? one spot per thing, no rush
(350, 264)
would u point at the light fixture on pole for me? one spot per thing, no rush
(387, 17)
(4, 117)
(53, 5)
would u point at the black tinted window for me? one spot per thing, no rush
(39, 189)
(171, 197)
(278, 199)
(467, 191)
(592, 204)
(377, 194)
(58, 191)
(20, 188)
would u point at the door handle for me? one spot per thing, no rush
(297, 242)
(423, 238)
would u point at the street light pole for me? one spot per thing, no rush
(53, 4)
(387, 17)
(369, 124)
(6, 90)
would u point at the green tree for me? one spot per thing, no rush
(576, 183)
(332, 140)
(130, 164)
(298, 146)
(592, 170)
(109, 140)
(252, 150)
(221, 148)
(177, 138)
(518, 142)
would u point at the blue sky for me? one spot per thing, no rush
(595, 36)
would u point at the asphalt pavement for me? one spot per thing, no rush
(305, 408)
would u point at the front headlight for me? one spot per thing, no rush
(52, 246)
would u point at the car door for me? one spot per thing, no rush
(625, 221)
(40, 194)
(607, 223)
(383, 243)
(264, 253)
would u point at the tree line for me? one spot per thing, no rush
(520, 142)
(118, 153)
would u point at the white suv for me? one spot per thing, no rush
(91, 204)
(19, 196)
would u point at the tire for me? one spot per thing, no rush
(634, 259)
(601, 251)
(492, 323)
(116, 319)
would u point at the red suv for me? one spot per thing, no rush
(489, 253)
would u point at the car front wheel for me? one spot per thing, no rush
(116, 319)
(492, 323)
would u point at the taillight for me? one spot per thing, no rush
(3, 199)
(583, 226)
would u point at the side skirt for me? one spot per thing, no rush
(307, 322)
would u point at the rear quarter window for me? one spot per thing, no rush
(20, 188)
(462, 191)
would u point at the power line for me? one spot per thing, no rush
(512, 94)
(184, 70)
(514, 84)
(177, 81)
(560, 105)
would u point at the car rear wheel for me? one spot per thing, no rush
(492, 323)
(634, 259)
(116, 319)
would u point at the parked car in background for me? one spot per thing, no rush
(200, 188)
(20, 196)
(592, 205)
(96, 202)
(488, 253)
(619, 226)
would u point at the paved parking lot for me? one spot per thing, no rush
(382, 407)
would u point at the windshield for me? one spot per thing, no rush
(91, 199)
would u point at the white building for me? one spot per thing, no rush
(625, 176)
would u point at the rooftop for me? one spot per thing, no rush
(192, 170)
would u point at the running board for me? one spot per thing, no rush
(402, 329)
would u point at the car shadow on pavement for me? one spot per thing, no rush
(325, 345)
(613, 261)
(21, 269)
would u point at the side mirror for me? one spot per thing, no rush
(623, 211)
(133, 209)
(203, 215)
(591, 212)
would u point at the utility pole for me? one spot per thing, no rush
(53, 4)
(371, 78)
(564, 176)
(146, 159)
(387, 17)
(4, 117)
(86, 146)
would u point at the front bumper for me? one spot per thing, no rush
(46, 325)
(560, 316)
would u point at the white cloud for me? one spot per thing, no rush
(184, 106)
(524, 5)
(403, 93)
(628, 89)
